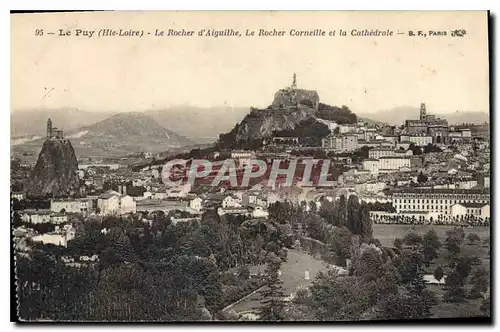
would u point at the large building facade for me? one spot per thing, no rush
(436, 200)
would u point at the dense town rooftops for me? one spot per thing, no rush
(398, 157)
(108, 194)
(473, 205)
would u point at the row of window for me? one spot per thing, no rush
(445, 196)
(405, 207)
(445, 201)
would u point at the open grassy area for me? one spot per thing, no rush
(470, 307)
(467, 308)
(388, 233)
(292, 275)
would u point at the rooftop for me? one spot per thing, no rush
(441, 191)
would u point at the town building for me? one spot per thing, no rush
(231, 201)
(112, 202)
(436, 200)
(59, 237)
(243, 157)
(478, 210)
(340, 143)
(196, 203)
(42, 217)
(78, 205)
(417, 139)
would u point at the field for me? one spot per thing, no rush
(388, 233)
(468, 308)
(292, 275)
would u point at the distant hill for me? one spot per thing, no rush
(398, 115)
(31, 122)
(372, 122)
(200, 124)
(120, 134)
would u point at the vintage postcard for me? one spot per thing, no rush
(251, 166)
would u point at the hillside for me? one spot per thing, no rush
(120, 134)
(30, 122)
(286, 118)
(55, 172)
(198, 123)
(398, 115)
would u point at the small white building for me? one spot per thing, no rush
(231, 201)
(36, 217)
(196, 203)
(58, 237)
(478, 210)
(242, 156)
(260, 212)
(17, 195)
(234, 211)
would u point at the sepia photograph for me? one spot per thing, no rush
(246, 167)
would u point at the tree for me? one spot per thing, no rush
(431, 245)
(366, 222)
(417, 151)
(486, 307)
(340, 243)
(412, 239)
(455, 281)
(454, 239)
(411, 270)
(243, 273)
(438, 273)
(341, 207)
(432, 148)
(398, 243)
(354, 223)
(422, 178)
(480, 282)
(472, 238)
(335, 297)
(272, 295)
(369, 265)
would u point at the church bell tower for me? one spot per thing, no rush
(423, 112)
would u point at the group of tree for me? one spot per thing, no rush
(377, 287)
(310, 132)
(467, 277)
(146, 271)
(341, 115)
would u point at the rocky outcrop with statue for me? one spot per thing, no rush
(294, 112)
(55, 172)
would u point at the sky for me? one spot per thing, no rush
(367, 74)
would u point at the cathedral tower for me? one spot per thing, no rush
(423, 112)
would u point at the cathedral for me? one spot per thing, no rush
(53, 132)
(428, 125)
